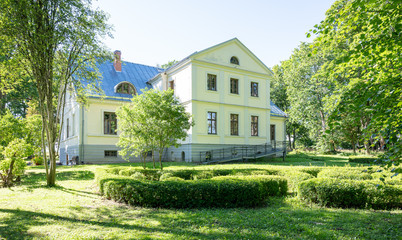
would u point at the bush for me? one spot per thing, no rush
(14, 165)
(364, 159)
(38, 160)
(172, 179)
(295, 177)
(218, 192)
(345, 173)
(345, 193)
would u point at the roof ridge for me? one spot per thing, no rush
(142, 65)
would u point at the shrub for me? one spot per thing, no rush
(364, 159)
(14, 165)
(311, 170)
(345, 173)
(172, 179)
(346, 193)
(294, 178)
(217, 192)
(37, 160)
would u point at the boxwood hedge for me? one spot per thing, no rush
(227, 192)
(346, 193)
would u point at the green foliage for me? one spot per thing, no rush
(153, 121)
(59, 43)
(169, 64)
(37, 160)
(14, 165)
(345, 173)
(344, 193)
(10, 128)
(295, 177)
(173, 192)
(360, 159)
(364, 39)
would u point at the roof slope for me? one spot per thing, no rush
(276, 111)
(136, 74)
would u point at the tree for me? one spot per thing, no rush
(169, 64)
(14, 165)
(367, 37)
(58, 41)
(155, 120)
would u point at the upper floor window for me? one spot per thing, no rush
(234, 86)
(254, 89)
(126, 88)
(234, 60)
(211, 122)
(211, 82)
(110, 123)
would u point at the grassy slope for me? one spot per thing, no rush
(74, 210)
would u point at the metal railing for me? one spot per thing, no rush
(241, 152)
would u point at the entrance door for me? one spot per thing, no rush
(183, 156)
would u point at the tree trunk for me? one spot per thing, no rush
(290, 140)
(160, 159)
(153, 158)
(9, 177)
(294, 138)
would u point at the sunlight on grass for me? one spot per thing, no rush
(74, 210)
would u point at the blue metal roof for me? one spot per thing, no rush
(276, 111)
(134, 73)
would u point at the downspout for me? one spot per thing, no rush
(82, 134)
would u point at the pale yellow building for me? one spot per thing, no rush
(225, 88)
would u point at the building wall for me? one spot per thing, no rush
(280, 128)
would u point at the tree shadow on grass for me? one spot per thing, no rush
(18, 223)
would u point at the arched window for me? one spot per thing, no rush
(126, 88)
(234, 60)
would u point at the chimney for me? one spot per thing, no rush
(117, 61)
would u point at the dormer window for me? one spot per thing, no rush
(234, 60)
(125, 88)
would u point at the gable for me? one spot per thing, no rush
(222, 53)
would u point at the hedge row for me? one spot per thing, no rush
(358, 159)
(346, 193)
(219, 192)
(190, 174)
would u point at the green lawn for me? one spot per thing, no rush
(74, 210)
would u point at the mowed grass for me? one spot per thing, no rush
(75, 210)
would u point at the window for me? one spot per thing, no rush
(171, 85)
(234, 86)
(272, 132)
(110, 153)
(110, 123)
(211, 82)
(211, 122)
(125, 88)
(234, 60)
(254, 125)
(254, 89)
(234, 124)
(68, 128)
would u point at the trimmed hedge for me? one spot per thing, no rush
(189, 174)
(360, 159)
(345, 173)
(346, 193)
(295, 177)
(219, 192)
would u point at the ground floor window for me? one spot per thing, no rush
(211, 118)
(234, 124)
(110, 153)
(254, 125)
(110, 123)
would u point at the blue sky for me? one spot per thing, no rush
(156, 31)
